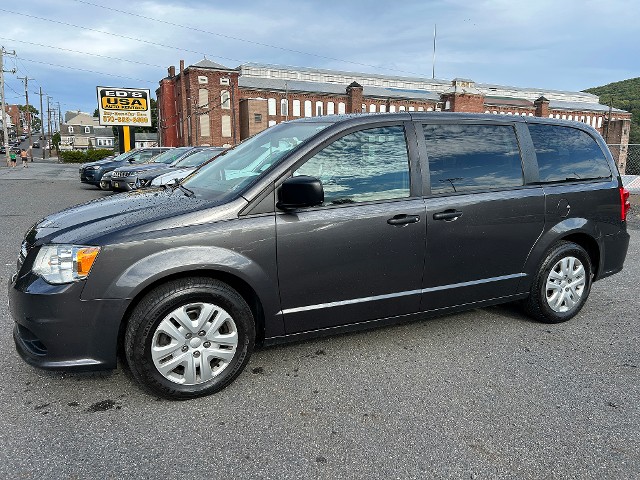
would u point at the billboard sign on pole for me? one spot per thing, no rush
(124, 106)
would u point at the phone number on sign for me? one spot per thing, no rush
(109, 119)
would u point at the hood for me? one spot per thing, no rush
(173, 174)
(97, 162)
(93, 222)
(142, 166)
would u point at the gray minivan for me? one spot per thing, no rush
(321, 225)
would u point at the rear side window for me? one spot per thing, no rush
(465, 158)
(566, 153)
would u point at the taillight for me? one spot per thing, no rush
(625, 204)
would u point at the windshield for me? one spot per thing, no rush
(198, 158)
(239, 167)
(170, 156)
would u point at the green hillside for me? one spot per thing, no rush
(624, 95)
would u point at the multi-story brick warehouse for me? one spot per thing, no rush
(210, 104)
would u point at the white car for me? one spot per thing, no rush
(186, 166)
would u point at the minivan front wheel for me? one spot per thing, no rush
(562, 284)
(189, 338)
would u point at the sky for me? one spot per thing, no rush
(68, 47)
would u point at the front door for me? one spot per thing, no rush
(359, 256)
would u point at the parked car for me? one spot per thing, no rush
(36, 144)
(125, 178)
(92, 172)
(321, 225)
(179, 169)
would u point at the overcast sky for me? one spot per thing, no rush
(559, 44)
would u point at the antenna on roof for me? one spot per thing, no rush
(433, 63)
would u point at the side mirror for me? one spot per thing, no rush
(300, 192)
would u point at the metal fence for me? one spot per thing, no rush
(627, 157)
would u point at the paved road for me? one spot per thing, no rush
(483, 394)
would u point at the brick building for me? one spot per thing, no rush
(209, 104)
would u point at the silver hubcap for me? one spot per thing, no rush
(194, 343)
(565, 284)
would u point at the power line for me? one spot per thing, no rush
(86, 70)
(118, 35)
(83, 53)
(253, 42)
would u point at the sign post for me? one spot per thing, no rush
(124, 108)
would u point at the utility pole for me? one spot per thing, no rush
(28, 112)
(59, 117)
(42, 125)
(4, 107)
(49, 124)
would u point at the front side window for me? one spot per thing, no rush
(465, 158)
(566, 153)
(367, 165)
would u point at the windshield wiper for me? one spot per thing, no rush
(187, 192)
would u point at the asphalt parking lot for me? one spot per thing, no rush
(483, 394)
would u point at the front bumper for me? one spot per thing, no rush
(55, 329)
(90, 176)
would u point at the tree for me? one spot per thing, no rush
(55, 140)
(96, 113)
(35, 121)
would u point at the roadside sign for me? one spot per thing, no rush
(124, 106)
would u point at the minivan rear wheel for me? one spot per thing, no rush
(189, 338)
(562, 284)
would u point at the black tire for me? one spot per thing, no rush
(537, 305)
(156, 306)
(106, 186)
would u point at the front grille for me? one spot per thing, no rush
(22, 256)
(30, 341)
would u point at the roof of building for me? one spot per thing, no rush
(81, 118)
(580, 106)
(273, 84)
(206, 63)
(506, 101)
(103, 132)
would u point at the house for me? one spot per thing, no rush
(81, 131)
(146, 140)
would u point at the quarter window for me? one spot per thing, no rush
(466, 158)
(566, 153)
(368, 165)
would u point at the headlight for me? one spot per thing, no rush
(64, 263)
(94, 167)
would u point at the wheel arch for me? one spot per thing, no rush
(246, 291)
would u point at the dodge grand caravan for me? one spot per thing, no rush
(321, 225)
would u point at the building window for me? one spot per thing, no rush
(412, 109)
(204, 126)
(307, 108)
(331, 108)
(447, 105)
(70, 129)
(203, 97)
(372, 108)
(430, 109)
(392, 109)
(599, 122)
(363, 108)
(226, 125)
(421, 109)
(202, 80)
(225, 100)
(272, 106)
(87, 129)
(224, 81)
(401, 108)
(257, 117)
(284, 107)
(296, 108)
(341, 108)
(319, 109)
(383, 108)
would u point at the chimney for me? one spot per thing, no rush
(181, 66)
(172, 71)
(542, 107)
